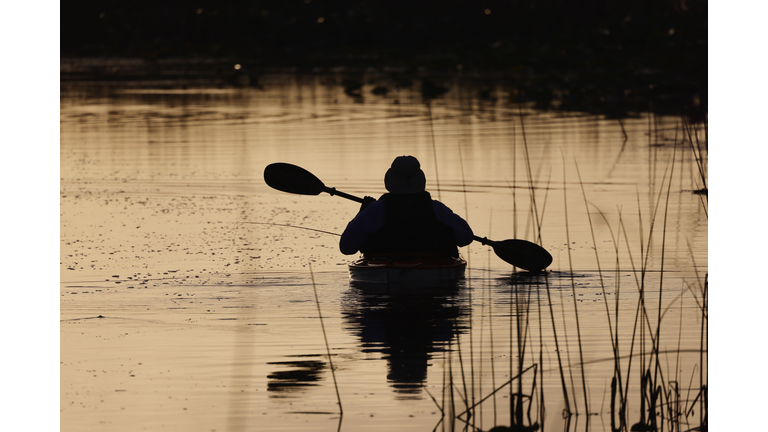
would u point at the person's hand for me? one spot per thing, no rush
(366, 202)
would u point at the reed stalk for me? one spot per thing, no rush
(564, 386)
(542, 410)
(490, 326)
(509, 381)
(614, 339)
(697, 155)
(575, 306)
(325, 338)
(434, 147)
(529, 173)
(469, 270)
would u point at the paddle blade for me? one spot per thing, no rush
(292, 179)
(523, 254)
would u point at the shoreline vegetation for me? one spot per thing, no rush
(674, 399)
(613, 58)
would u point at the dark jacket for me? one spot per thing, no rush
(406, 224)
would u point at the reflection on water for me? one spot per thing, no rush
(294, 374)
(169, 232)
(406, 328)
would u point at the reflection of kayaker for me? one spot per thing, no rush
(405, 220)
(408, 329)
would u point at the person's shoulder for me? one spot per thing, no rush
(437, 204)
(442, 211)
(374, 207)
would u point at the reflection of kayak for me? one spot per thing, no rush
(410, 270)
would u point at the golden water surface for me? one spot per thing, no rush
(187, 304)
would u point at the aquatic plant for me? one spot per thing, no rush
(639, 378)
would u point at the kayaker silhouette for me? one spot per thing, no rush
(405, 221)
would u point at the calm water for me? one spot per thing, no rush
(187, 305)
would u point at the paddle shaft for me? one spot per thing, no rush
(333, 191)
(484, 240)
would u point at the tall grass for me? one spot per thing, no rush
(641, 370)
(657, 395)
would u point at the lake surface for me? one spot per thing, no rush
(191, 296)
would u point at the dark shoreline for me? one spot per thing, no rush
(361, 83)
(607, 57)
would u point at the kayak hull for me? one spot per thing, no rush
(407, 270)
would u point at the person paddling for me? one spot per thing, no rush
(406, 220)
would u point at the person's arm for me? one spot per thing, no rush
(462, 233)
(367, 222)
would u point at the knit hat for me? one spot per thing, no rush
(405, 176)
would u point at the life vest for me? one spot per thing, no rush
(410, 226)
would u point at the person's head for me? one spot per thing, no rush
(405, 176)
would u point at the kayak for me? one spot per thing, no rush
(407, 270)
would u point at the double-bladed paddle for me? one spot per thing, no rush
(296, 180)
